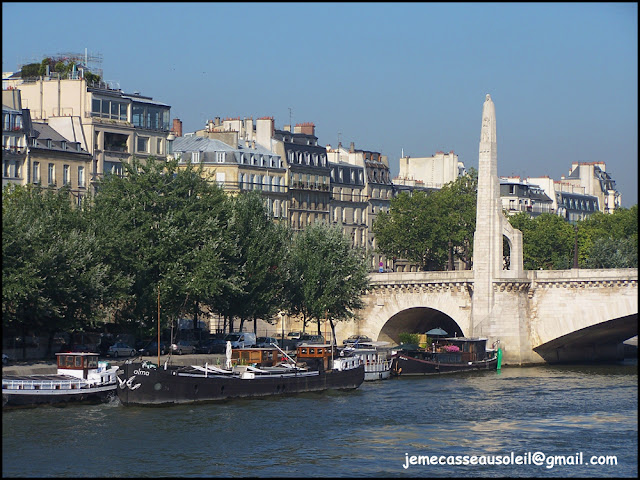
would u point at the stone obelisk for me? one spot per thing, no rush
(491, 226)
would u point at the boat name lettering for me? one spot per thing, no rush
(140, 372)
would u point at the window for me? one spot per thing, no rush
(36, 172)
(220, 178)
(115, 142)
(159, 146)
(109, 108)
(195, 157)
(143, 144)
(220, 157)
(51, 179)
(150, 116)
(113, 168)
(81, 177)
(65, 175)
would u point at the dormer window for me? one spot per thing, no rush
(63, 145)
(49, 143)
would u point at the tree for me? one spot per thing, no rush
(52, 279)
(547, 241)
(261, 247)
(419, 227)
(610, 240)
(163, 228)
(327, 276)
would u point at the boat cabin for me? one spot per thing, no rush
(77, 364)
(261, 357)
(469, 349)
(315, 355)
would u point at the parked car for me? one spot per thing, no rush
(241, 339)
(213, 345)
(265, 342)
(183, 346)
(356, 338)
(307, 338)
(294, 335)
(120, 349)
(152, 349)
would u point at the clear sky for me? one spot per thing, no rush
(390, 77)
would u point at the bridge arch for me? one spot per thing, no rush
(418, 320)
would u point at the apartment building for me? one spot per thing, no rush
(377, 192)
(34, 152)
(518, 196)
(593, 177)
(348, 197)
(430, 172)
(238, 168)
(111, 125)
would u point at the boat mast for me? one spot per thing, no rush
(158, 325)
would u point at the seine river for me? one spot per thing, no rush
(488, 424)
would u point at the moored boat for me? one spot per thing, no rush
(80, 378)
(255, 372)
(449, 355)
(374, 355)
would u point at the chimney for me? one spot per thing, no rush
(216, 122)
(253, 144)
(352, 147)
(177, 127)
(307, 128)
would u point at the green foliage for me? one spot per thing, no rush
(51, 277)
(548, 241)
(610, 240)
(30, 70)
(164, 228)
(326, 276)
(91, 77)
(409, 338)
(604, 240)
(261, 245)
(419, 227)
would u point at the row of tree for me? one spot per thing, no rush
(168, 235)
(433, 229)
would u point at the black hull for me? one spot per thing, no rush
(22, 400)
(142, 386)
(407, 365)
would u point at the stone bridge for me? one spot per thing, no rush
(552, 316)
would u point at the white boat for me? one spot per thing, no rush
(80, 378)
(375, 356)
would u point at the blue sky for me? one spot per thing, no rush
(390, 77)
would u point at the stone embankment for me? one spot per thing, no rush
(42, 367)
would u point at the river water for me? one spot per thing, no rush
(556, 414)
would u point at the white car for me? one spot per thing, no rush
(120, 349)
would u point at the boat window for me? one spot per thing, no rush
(312, 350)
(69, 361)
(303, 350)
(78, 361)
(319, 351)
(92, 362)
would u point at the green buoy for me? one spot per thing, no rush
(499, 364)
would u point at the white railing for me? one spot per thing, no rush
(43, 384)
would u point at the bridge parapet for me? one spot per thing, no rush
(422, 281)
